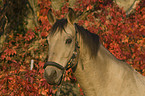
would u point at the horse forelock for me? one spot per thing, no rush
(60, 25)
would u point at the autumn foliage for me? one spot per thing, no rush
(123, 36)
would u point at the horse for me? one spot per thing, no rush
(98, 72)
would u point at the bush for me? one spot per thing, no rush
(123, 36)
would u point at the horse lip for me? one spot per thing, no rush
(59, 81)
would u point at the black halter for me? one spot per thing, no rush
(72, 63)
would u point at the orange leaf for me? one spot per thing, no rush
(22, 94)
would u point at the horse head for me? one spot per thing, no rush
(62, 47)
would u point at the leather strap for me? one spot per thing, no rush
(53, 64)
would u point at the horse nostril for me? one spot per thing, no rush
(53, 73)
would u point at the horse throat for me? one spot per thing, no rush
(86, 71)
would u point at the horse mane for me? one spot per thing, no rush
(90, 39)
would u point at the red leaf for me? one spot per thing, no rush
(44, 34)
(41, 64)
(22, 94)
(86, 23)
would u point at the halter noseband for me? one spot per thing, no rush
(53, 64)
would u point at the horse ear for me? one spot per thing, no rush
(71, 17)
(51, 17)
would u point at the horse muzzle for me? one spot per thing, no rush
(52, 73)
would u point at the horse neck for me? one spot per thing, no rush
(104, 74)
(93, 73)
(89, 73)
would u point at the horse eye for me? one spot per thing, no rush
(68, 41)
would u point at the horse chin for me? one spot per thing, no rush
(55, 82)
